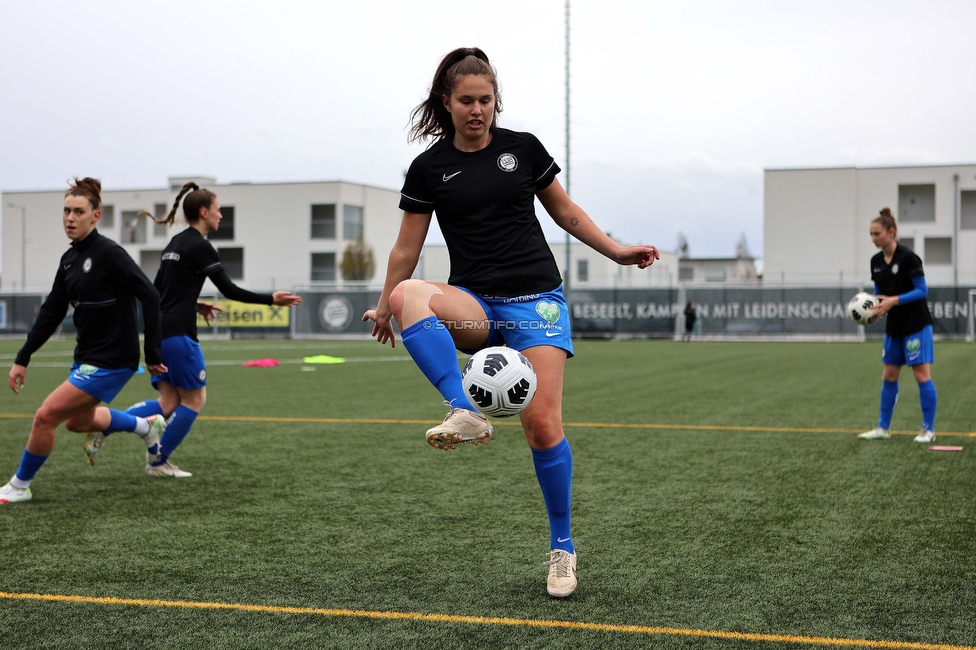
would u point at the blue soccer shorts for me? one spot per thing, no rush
(527, 321)
(910, 350)
(185, 366)
(102, 383)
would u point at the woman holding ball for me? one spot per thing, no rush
(504, 285)
(899, 284)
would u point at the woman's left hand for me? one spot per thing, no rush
(285, 298)
(641, 255)
(887, 302)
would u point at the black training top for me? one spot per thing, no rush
(188, 260)
(485, 204)
(99, 279)
(895, 279)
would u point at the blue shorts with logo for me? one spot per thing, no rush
(910, 350)
(527, 321)
(185, 366)
(103, 383)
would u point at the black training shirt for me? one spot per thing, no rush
(99, 279)
(188, 260)
(895, 279)
(485, 205)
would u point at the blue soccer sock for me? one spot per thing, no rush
(176, 429)
(889, 397)
(29, 464)
(928, 399)
(145, 409)
(432, 349)
(121, 421)
(554, 469)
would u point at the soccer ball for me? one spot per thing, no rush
(861, 308)
(500, 381)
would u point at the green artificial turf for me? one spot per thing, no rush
(752, 508)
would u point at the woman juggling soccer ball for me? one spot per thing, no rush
(504, 286)
(899, 284)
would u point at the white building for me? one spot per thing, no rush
(273, 235)
(730, 270)
(816, 221)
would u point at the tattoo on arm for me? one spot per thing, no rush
(574, 222)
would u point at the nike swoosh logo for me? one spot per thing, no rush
(562, 539)
(550, 333)
(449, 177)
(67, 266)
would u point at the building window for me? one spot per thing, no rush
(149, 262)
(133, 227)
(323, 222)
(352, 222)
(714, 276)
(232, 259)
(686, 273)
(583, 270)
(967, 210)
(907, 242)
(323, 267)
(159, 211)
(108, 217)
(938, 250)
(226, 230)
(916, 203)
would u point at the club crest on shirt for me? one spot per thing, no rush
(86, 267)
(202, 375)
(894, 269)
(507, 162)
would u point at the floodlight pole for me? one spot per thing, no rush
(569, 268)
(955, 230)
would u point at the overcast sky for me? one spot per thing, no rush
(677, 107)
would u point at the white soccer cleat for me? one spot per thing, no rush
(166, 470)
(11, 494)
(877, 433)
(561, 582)
(93, 443)
(460, 427)
(157, 425)
(927, 435)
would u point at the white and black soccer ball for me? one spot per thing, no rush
(500, 381)
(861, 308)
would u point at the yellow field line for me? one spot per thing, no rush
(587, 425)
(491, 620)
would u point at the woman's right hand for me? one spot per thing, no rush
(382, 325)
(18, 374)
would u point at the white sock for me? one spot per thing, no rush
(142, 427)
(17, 483)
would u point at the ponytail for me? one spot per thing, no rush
(196, 199)
(90, 188)
(430, 119)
